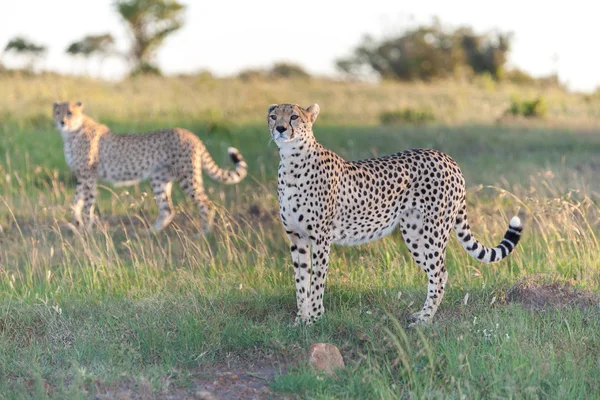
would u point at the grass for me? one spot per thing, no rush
(173, 100)
(86, 315)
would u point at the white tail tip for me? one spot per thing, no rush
(515, 222)
(232, 150)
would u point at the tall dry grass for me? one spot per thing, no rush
(232, 100)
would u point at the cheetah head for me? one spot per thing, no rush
(291, 123)
(68, 116)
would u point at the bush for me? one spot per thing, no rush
(528, 108)
(277, 71)
(519, 77)
(202, 75)
(430, 52)
(287, 70)
(406, 116)
(146, 69)
(485, 81)
(252, 74)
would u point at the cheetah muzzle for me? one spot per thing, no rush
(324, 199)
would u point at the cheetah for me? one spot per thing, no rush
(324, 200)
(93, 152)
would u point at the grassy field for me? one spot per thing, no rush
(119, 314)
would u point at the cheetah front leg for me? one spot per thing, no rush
(89, 201)
(300, 249)
(83, 203)
(77, 206)
(320, 264)
(161, 182)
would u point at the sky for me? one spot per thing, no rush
(226, 36)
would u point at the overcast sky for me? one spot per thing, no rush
(225, 36)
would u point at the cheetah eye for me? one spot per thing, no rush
(273, 117)
(69, 114)
(294, 117)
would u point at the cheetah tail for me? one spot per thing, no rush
(480, 252)
(225, 175)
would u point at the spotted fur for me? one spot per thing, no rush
(93, 152)
(324, 199)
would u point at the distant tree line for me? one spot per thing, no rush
(22, 47)
(430, 52)
(424, 53)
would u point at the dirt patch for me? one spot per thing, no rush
(259, 214)
(541, 293)
(247, 381)
(238, 382)
(589, 166)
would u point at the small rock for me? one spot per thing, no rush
(325, 357)
(204, 395)
(255, 210)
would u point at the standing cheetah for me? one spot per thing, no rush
(93, 152)
(324, 199)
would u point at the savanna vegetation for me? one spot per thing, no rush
(119, 313)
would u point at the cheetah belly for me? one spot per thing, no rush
(363, 230)
(119, 175)
(123, 165)
(356, 224)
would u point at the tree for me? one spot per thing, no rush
(93, 45)
(90, 45)
(26, 49)
(150, 22)
(485, 53)
(430, 52)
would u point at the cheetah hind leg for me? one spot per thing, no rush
(193, 188)
(161, 183)
(429, 259)
(425, 316)
(83, 205)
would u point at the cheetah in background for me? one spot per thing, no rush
(93, 152)
(325, 199)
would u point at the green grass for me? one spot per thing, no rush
(80, 314)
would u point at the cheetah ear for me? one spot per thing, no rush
(55, 105)
(313, 112)
(79, 104)
(272, 107)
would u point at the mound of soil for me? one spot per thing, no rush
(541, 293)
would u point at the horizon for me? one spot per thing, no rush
(249, 34)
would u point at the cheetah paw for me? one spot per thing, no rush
(80, 228)
(419, 319)
(302, 321)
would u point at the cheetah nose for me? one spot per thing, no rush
(62, 123)
(280, 129)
